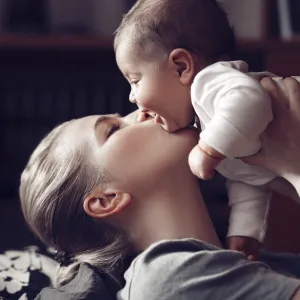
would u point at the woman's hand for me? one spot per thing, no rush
(281, 140)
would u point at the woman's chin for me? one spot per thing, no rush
(189, 136)
(190, 130)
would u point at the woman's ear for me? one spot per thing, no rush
(102, 205)
(184, 65)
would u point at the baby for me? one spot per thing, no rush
(175, 55)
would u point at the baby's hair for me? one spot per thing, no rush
(53, 187)
(200, 26)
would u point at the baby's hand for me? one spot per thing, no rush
(202, 163)
(247, 245)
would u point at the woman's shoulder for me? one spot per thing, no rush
(188, 245)
(192, 269)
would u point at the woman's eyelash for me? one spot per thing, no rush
(112, 129)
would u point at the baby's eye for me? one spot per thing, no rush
(134, 82)
(112, 129)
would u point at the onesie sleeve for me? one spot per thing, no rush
(249, 209)
(236, 108)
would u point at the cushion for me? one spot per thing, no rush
(23, 273)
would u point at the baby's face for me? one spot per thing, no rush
(155, 87)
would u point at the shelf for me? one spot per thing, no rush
(284, 45)
(60, 42)
(68, 42)
(268, 45)
(251, 45)
(73, 42)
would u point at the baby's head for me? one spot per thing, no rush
(162, 44)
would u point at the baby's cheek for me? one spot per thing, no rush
(147, 96)
(147, 104)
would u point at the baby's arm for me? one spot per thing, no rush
(234, 108)
(248, 217)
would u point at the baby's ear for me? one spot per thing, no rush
(184, 64)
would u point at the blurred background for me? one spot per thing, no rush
(57, 63)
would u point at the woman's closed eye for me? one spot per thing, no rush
(134, 82)
(112, 129)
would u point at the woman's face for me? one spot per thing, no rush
(137, 155)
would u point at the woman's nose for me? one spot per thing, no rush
(136, 117)
(143, 116)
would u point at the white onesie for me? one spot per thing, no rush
(234, 110)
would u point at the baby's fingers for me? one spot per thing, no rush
(199, 163)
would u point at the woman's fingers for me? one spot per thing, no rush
(293, 90)
(281, 139)
(277, 100)
(280, 107)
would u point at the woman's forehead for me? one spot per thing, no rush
(79, 131)
(82, 124)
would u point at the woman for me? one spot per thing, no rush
(101, 188)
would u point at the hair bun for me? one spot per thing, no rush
(64, 258)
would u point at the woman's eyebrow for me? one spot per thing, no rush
(135, 74)
(102, 119)
(127, 75)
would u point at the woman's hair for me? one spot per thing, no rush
(160, 26)
(53, 187)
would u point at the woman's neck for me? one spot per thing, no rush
(175, 210)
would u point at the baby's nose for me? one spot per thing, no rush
(132, 97)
